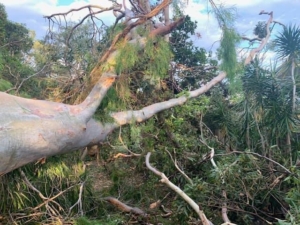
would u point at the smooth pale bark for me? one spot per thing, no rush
(33, 129)
(147, 112)
(181, 193)
(263, 41)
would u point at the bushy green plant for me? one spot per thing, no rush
(59, 178)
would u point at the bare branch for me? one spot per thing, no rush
(79, 201)
(180, 170)
(263, 42)
(275, 21)
(80, 22)
(46, 201)
(31, 186)
(78, 9)
(175, 188)
(124, 207)
(126, 117)
(91, 14)
(18, 86)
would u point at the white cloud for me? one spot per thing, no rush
(48, 7)
(25, 2)
(207, 25)
(247, 3)
(240, 3)
(31, 12)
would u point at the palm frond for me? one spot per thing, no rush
(287, 43)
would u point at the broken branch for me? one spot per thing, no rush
(180, 192)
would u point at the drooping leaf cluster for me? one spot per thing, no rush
(153, 59)
(227, 52)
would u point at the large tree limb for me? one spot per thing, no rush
(264, 41)
(164, 30)
(89, 106)
(126, 117)
(33, 129)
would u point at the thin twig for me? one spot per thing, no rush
(79, 201)
(177, 167)
(261, 156)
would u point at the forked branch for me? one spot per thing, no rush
(180, 192)
(264, 41)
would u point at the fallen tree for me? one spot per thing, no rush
(33, 129)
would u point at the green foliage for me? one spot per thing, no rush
(293, 199)
(5, 85)
(19, 36)
(267, 104)
(225, 16)
(58, 176)
(108, 34)
(3, 21)
(153, 59)
(115, 100)
(227, 52)
(287, 42)
(157, 55)
(135, 133)
(260, 29)
(79, 48)
(109, 221)
(193, 59)
(15, 44)
(127, 57)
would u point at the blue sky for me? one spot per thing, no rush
(31, 13)
(64, 2)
